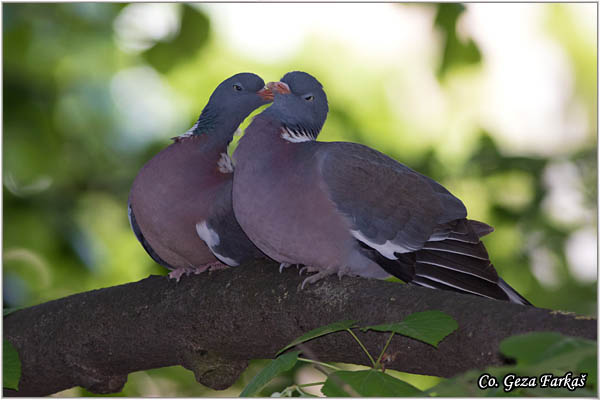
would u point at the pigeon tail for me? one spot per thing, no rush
(458, 263)
(512, 293)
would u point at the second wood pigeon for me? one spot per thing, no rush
(180, 202)
(345, 208)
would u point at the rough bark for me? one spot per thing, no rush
(214, 323)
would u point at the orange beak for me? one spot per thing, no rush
(265, 94)
(279, 87)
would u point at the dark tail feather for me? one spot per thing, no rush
(449, 278)
(457, 257)
(459, 286)
(459, 263)
(512, 293)
(463, 282)
(480, 228)
(457, 247)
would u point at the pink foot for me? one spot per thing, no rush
(315, 278)
(286, 265)
(322, 273)
(179, 272)
(308, 269)
(213, 266)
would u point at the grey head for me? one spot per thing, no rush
(299, 103)
(230, 103)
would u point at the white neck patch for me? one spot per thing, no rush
(295, 136)
(186, 134)
(225, 164)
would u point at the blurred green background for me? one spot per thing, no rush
(498, 102)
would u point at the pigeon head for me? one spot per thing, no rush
(243, 91)
(299, 103)
(231, 102)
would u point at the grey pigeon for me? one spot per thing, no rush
(345, 208)
(180, 202)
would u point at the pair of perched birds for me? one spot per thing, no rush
(335, 207)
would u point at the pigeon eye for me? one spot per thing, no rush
(237, 87)
(309, 97)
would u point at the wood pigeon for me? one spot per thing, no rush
(345, 208)
(180, 202)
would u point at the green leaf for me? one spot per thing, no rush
(463, 385)
(589, 365)
(11, 366)
(427, 326)
(280, 364)
(456, 51)
(367, 383)
(305, 394)
(292, 391)
(536, 353)
(193, 35)
(323, 330)
(532, 348)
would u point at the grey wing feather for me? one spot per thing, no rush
(383, 199)
(410, 225)
(235, 244)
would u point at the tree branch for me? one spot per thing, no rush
(214, 323)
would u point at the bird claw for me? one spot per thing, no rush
(307, 268)
(287, 265)
(340, 271)
(314, 278)
(284, 265)
(343, 271)
(177, 273)
(213, 266)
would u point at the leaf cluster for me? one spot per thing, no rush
(429, 327)
(528, 355)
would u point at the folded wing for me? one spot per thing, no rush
(409, 224)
